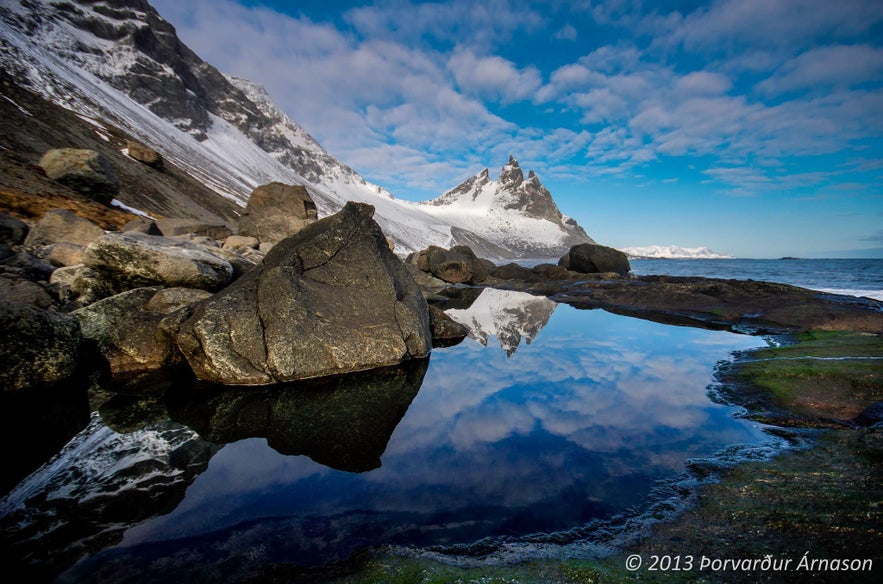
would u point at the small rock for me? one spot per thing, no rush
(64, 254)
(17, 288)
(175, 227)
(144, 154)
(238, 241)
(168, 300)
(142, 225)
(446, 332)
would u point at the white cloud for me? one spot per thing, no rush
(493, 77)
(822, 67)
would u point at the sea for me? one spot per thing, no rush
(852, 277)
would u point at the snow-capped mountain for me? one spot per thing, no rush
(514, 210)
(673, 252)
(118, 63)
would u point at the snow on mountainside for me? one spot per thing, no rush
(673, 252)
(119, 62)
(514, 210)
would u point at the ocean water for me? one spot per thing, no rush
(853, 277)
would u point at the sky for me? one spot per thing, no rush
(753, 127)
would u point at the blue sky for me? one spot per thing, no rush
(754, 127)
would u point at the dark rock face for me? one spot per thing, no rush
(85, 171)
(331, 299)
(38, 347)
(343, 422)
(275, 211)
(590, 258)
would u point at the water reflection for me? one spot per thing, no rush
(578, 424)
(343, 422)
(509, 316)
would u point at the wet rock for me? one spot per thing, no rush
(275, 211)
(590, 258)
(38, 347)
(331, 299)
(131, 260)
(85, 171)
(144, 154)
(12, 231)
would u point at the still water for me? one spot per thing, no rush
(547, 418)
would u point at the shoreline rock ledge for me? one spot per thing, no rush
(329, 299)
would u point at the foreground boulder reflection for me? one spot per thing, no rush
(342, 422)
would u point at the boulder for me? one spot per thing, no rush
(175, 227)
(126, 333)
(331, 299)
(80, 284)
(64, 254)
(12, 231)
(132, 260)
(17, 288)
(144, 154)
(38, 347)
(30, 266)
(63, 226)
(275, 211)
(458, 265)
(590, 258)
(86, 171)
(142, 225)
(235, 242)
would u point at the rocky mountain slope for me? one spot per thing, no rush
(122, 68)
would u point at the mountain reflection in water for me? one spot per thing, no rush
(576, 425)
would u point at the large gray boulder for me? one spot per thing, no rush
(331, 299)
(458, 265)
(37, 347)
(131, 260)
(591, 258)
(85, 171)
(275, 211)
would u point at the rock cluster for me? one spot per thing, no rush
(330, 297)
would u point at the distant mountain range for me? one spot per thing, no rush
(119, 65)
(673, 252)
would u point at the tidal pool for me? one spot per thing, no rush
(546, 419)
